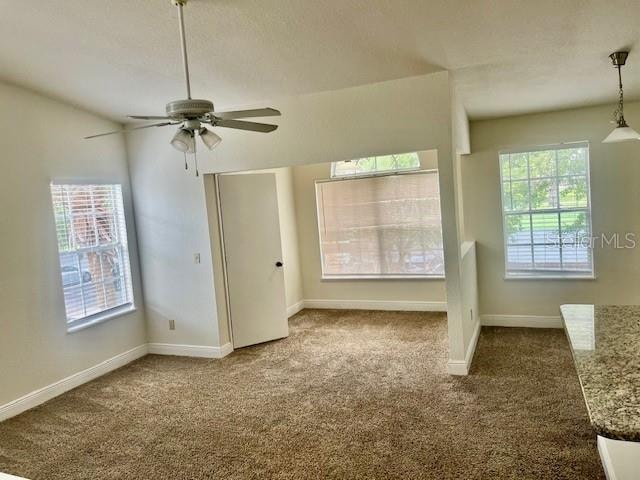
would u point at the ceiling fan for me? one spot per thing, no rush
(193, 115)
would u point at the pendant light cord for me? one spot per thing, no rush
(619, 113)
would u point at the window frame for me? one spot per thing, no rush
(546, 274)
(109, 313)
(416, 169)
(333, 277)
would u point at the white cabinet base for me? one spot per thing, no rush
(621, 460)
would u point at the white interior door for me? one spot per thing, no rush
(255, 277)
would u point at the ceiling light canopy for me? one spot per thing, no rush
(622, 132)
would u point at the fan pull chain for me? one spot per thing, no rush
(195, 153)
(186, 166)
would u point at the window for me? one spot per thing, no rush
(92, 246)
(547, 212)
(372, 165)
(381, 226)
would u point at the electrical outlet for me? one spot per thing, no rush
(172, 324)
(196, 258)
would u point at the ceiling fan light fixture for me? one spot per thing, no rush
(210, 139)
(183, 141)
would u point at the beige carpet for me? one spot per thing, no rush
(347, 395)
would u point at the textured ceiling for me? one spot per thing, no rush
(119, 57)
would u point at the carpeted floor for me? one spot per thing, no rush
(347, 395)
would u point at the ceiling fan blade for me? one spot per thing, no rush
(241, 125)
(258, 112)
(147, 117)
(127, 130)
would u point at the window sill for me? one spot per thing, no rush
(382, 277)
(550, 277)
(99, 318)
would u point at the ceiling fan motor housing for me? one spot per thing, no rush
(192, 108)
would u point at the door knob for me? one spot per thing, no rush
(279, 264)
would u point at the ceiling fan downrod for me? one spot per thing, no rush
(183, 43)
(193, 116)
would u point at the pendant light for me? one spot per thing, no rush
(622, 132)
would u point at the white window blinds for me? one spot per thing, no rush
(384, 226)
(92, 245)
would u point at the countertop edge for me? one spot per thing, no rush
(598, 427)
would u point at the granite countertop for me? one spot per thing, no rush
(605, 342)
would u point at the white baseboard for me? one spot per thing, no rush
(527, 321)
(38, 397)
(295, 308)
(462, 367)
(6, 476)
(393, 305)
(190, 350)
(44, 394)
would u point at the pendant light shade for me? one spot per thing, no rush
(622, 132)
(183, 141)
(210, 139)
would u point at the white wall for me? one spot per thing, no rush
(41, 140)
(431, 291)
(464, 318)
(407, 115)
(410, 114)
(172, 218)
(615, 173)
(470, 300)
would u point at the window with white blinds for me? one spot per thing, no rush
(546, 211)
(381, 226)
(399, 162)
(92, 245)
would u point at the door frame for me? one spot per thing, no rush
(223, 252)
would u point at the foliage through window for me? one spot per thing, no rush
(381, 226)
(400, 162)
(546, 211)
(92, 246)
